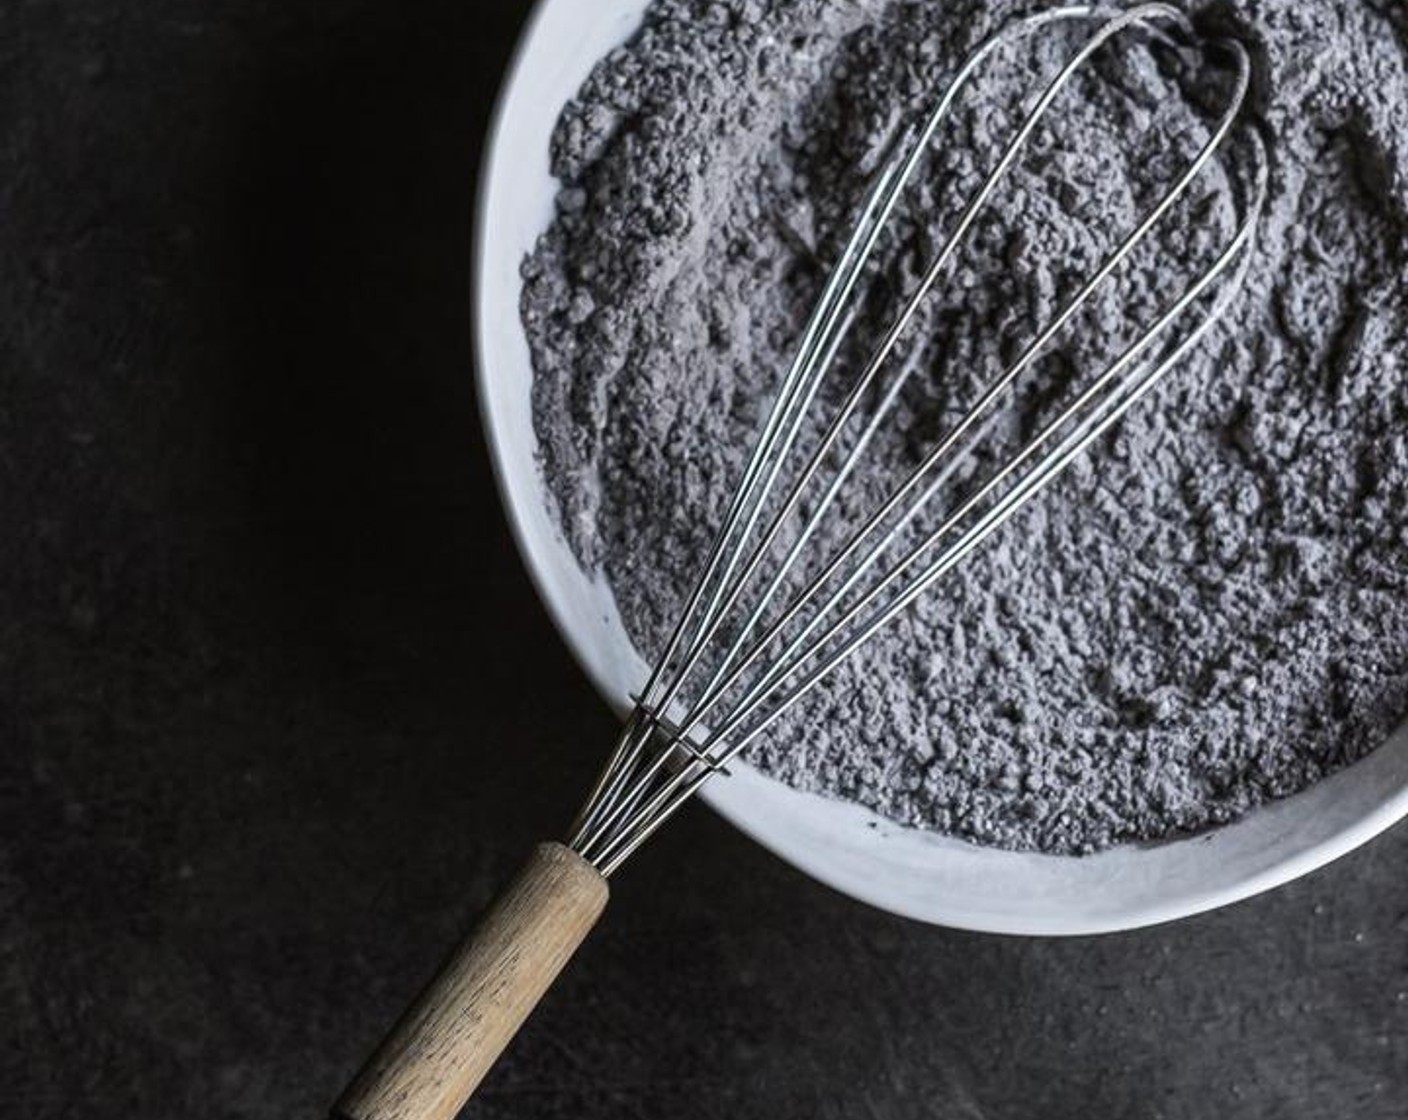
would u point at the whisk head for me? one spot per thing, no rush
(771, 616)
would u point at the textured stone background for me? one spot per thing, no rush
(278, 707)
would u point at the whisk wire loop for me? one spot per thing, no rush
(729, 585)
(947, 444)
(681, 731)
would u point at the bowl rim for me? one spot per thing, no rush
(1390, 759)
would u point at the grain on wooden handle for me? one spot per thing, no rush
(446, 1042)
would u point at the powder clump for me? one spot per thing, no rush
(1210, 610)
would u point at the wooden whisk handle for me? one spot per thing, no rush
(447, 1040)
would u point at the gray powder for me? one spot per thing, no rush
(1211, 609)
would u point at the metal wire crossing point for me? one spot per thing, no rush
(768, 619)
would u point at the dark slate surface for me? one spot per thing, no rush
(279, 707)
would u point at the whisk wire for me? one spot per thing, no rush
(687, 780)
(947, 444)
(822, 337)
(729, 586)
(1075, 442)
(783, 414)
(663, 756)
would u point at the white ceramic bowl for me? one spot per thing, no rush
(919, 874)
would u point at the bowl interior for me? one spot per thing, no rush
(919, 874)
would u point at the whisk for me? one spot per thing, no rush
(771, 615)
